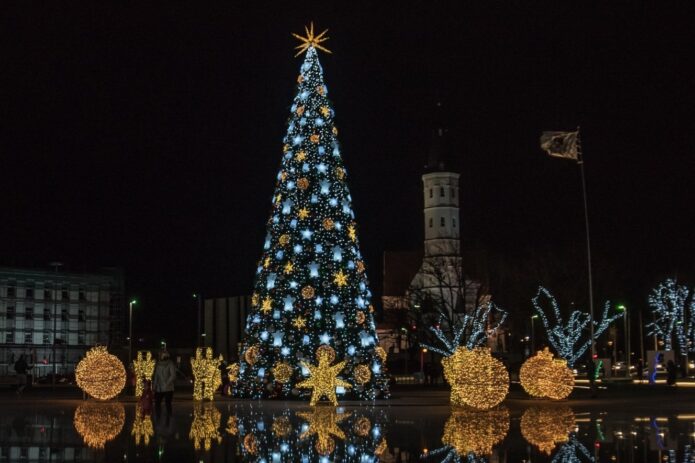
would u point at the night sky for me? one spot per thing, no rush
(148, 137)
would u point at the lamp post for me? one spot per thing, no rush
(55, 266)
(626, 328)
(533, 333)
(130, 330)
(199, 335)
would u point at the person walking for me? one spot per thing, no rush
(164, 378)
(21, 367)
(671, 373)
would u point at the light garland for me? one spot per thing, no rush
(99, 423)
(323, 379)
(207, 377)
(142, 429)
(547, 426)
(205, 426)
(100, 374)
(326, 350)
(143, 367)
(545, 377)
(568, 338)
(477, 379)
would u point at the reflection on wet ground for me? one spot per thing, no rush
(277, 432)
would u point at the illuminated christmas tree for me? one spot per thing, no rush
(311, 297)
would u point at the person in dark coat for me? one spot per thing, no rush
(164, 379)
(21, 367)
(671, 373)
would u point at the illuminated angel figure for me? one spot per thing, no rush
(206, 373)
(144, 369)
(473, 329)
(569, 338)
(205, 426)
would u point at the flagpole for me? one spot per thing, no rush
(580, 161)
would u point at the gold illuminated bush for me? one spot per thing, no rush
(99, 423)
(545, 427)
(143, 366)
(546, 377)
(100, 374)
(477, 379)
(205, 426)
(207, 376)
(476, 431)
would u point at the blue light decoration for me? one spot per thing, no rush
(574, 451)
(309, 239)
(472, 330)
(571, 339)
(668, 302)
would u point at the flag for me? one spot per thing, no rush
(561, 144)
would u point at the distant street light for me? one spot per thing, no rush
(626, 330)
(130, 330)
(533, 333)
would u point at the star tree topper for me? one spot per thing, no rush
(311, 40)
(323, 379)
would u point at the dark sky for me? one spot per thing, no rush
(149, 136)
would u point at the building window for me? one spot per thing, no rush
(441, 191)
(9, 337)
(81, 316)
(80, 338)
(11, 291)
(430, 222)
(453, 193)
(64, 294)
(29, 293)
(64, 315)
(453, 223)
(28, 339)
(82, 296)
(47, 294)
(29, 313)
(46, 337)
(10, 313)
(430, 192)
(442, 222)
(46, 314)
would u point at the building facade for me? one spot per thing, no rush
(224, 321)
(54, 317)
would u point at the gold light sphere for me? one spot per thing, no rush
(282, 372)
(327, 350)
(477, 379)
(100, 374)
(381, 353)
(545, 427)
(360, 317)
(99, 423)
(545, 377)
(282, 426)
(476, 431)
(362, 426)
(362, 374)
(303, 183)
(284, 239)
(250, 444)
(251, 355)
(308, 292)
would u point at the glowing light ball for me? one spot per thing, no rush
(282, 372)
(362, 426)
(99, 423)
(282, 426)
(475, 431)
(477, 379)
(543, 376)
(100, 374)
(362, 374)
(546, 427)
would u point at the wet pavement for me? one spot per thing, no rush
(655, 425)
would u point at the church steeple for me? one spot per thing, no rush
(438, 155)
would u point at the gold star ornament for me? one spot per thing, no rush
(267, 305)
(299, 322)
(311, 40)
(340, 278)
(323, 380)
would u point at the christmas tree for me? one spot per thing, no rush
(311, 324)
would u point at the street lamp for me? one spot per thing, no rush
(626, 325)
(130, 330)
(533, 333)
